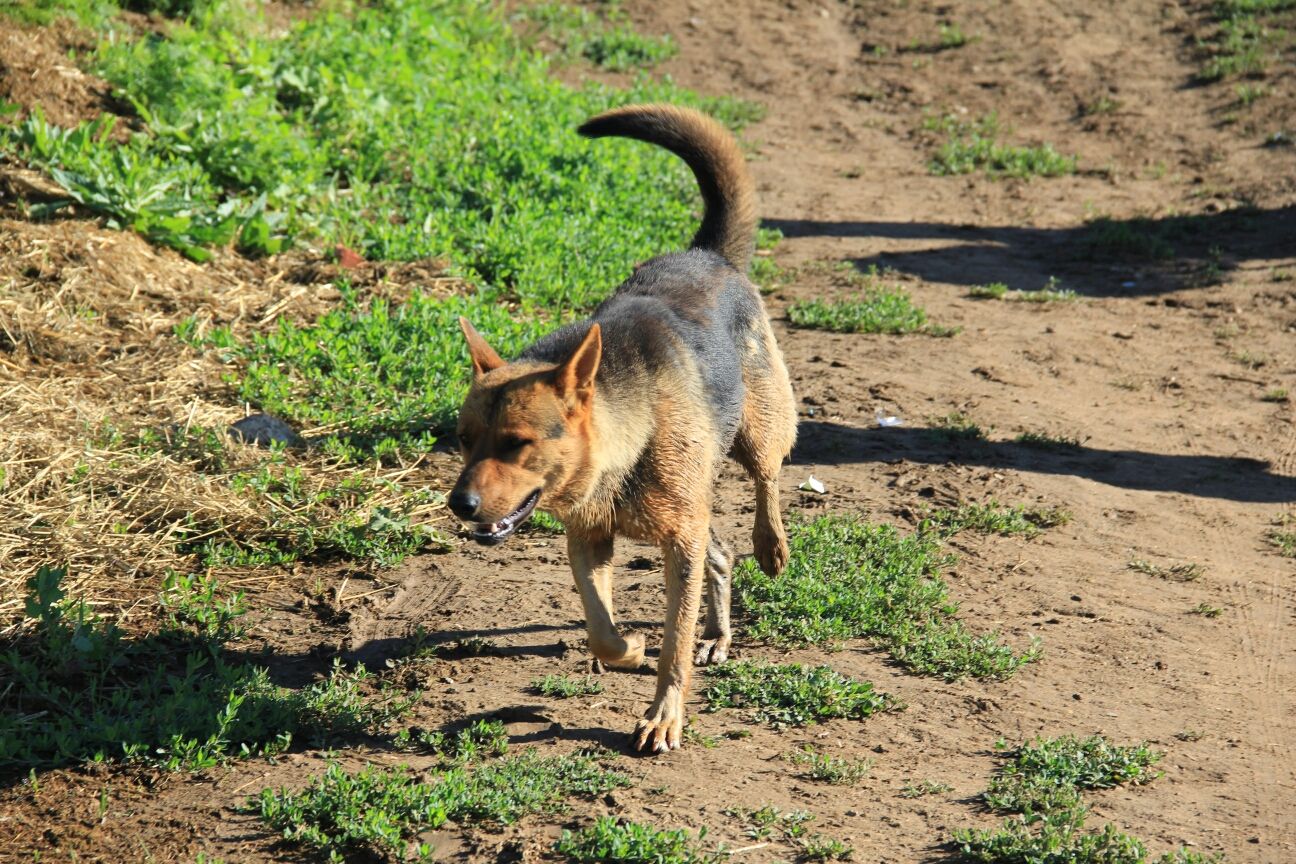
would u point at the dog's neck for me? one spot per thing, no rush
(620, 431)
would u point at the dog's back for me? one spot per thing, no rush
(696, 304)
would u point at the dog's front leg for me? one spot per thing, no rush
(591, 563)
(663, 723)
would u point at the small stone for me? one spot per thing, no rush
(264, 430)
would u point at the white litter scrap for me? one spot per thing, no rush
(814, 484)
(886, 422)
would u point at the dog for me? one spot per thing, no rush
(617, 425)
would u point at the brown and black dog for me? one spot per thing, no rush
(617, 425)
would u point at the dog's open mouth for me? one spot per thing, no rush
(490, 534)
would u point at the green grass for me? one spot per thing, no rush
(1206, 610)
(565, 686)
(403, 130)
(995, 518)
(768, 821)
(826, 768)
(847, 579)
(952, 36)
(1277, 394)
(955, 428)
(990, 291)
(79, 689)
(1049, 441)
(820, 847)
(783, 695)
(1042, 784)
(482, 739)
(605, 40)
(871, 307)
(614, 841)
(1050, 293)
(924, 788)
(1183, 572)
(1049, 773)
(1282, 536)
(973, 146)
(1250, 36)
(378, 812)
(1139, 238)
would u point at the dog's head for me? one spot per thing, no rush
(524, 432)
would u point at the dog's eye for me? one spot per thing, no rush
(512, 443)
(465, 441)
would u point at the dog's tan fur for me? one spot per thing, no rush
(619, 424)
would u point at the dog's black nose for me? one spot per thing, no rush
(465, 504)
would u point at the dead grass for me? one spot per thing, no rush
(94, 388)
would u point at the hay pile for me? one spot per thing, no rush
(88, 361)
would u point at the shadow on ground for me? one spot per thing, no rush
(1102, 258)
(822, 442)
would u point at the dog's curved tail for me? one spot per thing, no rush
(729, 223)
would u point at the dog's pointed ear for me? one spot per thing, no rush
(484, 358)
(576, 376)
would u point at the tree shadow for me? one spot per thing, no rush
(1102, 258)
(1226, 477)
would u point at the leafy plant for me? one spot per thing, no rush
(827, 768)
(973, 146)
(847, 579)
(614, 841)
(378, 811)
(791, 695)
(565, 687)
(1049, 773)
(995, 518)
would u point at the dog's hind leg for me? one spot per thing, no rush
(765, 438)
(717, 636)
(591, 563)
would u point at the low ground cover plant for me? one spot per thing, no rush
(783, 695)
(79, 689)
(848, 579)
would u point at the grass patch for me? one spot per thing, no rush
(614, 841)
(1138, 238)
(995, 518)
(1282, 536)
(1206, 610)
(1042, 784)
(543, 523)
(973, 146)
(1182, 572)
(1048, 441)
(874, 307)
(379, 811)
(847, 579)
(566, 687)
(990, 291)
(827, 768)
(482, 739)
(1250, 36)
(1278, 394)
(78, 689)
(955, 428)
(604, 38)
(924, 788)
(783, 695)
(1049, 773)
(764, 823)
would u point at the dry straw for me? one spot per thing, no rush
(88, 361)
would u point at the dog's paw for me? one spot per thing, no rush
(628, 653)
(771, 550)
(712, 652)
(661, 729)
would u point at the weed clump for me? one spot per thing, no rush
(847, 579)
(791, 694)
(79, 689)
